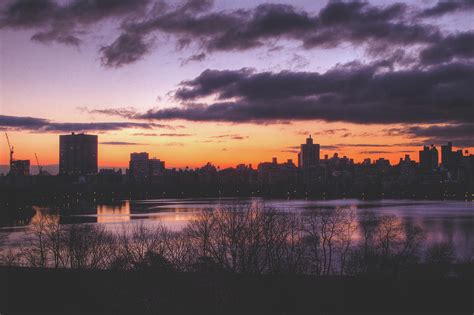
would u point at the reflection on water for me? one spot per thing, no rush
(443, 221)
(114, 213)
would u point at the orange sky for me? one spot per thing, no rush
(54, 81)
(214, 142)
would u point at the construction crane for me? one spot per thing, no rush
(40, 168)
(10, 147)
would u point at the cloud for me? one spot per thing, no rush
(231, 136)
(45, 125)
(144, 134)
(174, 144)
(375, 152)
(122, 143)
(327, 132)
(364, 145)
(386, 152)
(57, 36)
(128, 113)
(444, 7)
(378, 29)
(355, 93)
(127, 49)
(243, 29)
(460, 46)
(197, 57)
(459, 134)
(124, 112)
(175, 135)
(329, 147)
(63, 22)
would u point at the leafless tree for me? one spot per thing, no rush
(329, 235)
(87, 246)
(178, 250)
(137, 241)
(34, 250)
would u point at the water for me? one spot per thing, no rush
(443, 221)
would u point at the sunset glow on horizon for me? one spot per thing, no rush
(198, 95)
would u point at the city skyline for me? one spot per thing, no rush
(78, 155)
(366, 79)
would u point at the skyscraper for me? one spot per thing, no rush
(309, 154)
(77, 154)
(429, 158)
(446, 151)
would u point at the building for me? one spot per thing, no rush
(142, 168)
(429, 158)
(275, 175)
(78, 154)
(20, 168)
(446, 151)
(309, 154)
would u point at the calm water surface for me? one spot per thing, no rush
(443, 221)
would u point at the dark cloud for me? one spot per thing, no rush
(290, 151)
(365, 94)
(128, 112)
(27, 13)
(242, 29)
(376, 152)
(329, 147)
(232, 137)
(459, 134)
(379, 29)
(364, 145)
(326, 132)
(45, 125)
(146, 134)
(22, 122)
(386, 152)
(175, 134)
(193, 58)
(127, 49)
(58, 36)
(340, 146)
(445, 6)
(454, 46)
(122, 143)
(62, 22)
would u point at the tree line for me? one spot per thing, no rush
(244, 239)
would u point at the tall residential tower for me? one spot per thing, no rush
(77, 154)
(309, 154)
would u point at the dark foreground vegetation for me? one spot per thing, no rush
(151, 292)
(241, 258)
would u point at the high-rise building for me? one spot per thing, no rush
(450, 160)
(429, 158)
(309, 154)
(77, 154)
(446, 151)
(142, 168)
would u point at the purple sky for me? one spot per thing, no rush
(64, 62)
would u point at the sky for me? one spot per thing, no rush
(232, 82)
